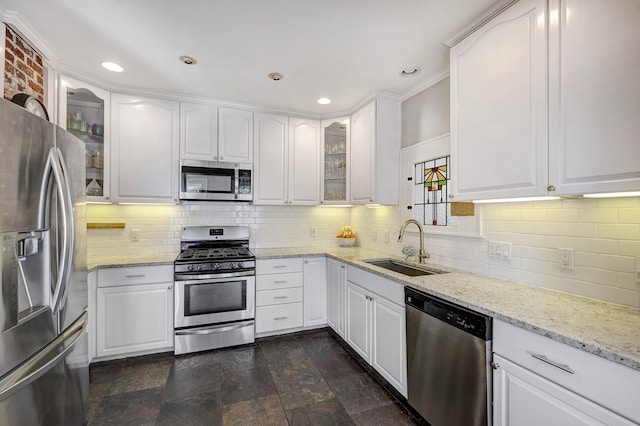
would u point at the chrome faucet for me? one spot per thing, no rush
(422, 254)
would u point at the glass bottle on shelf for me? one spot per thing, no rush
(335, 160)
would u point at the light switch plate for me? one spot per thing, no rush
(386, 236)
(312, 231)
(135, 235)
(638, 269)
(374, 235)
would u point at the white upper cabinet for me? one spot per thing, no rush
(235, 135)
(84, 110)
(375, 152)
(335, 148)
(304, 161)
(271, 140)
(594, 96)
(287, 160)
(212, 133)
(198, 132)
(144, 149)
(539, 110)
(499, 106)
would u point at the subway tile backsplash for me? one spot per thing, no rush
(604, 234)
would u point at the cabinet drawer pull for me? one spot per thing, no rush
(563, 367)
(136, 276)
(280, 282)
(279, 297)
(280, 318)
(279, 266)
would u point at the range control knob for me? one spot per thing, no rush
(232, 265)
(240, 265)
(199, 267)
(216, 266)
(190, 268)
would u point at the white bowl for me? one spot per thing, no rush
(346, 242)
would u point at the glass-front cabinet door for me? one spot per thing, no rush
(335, 161)
(84, 111)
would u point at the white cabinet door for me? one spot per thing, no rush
(594, 87)
(499, 107)
(304, 162)
(523, 398)
(359, 320)
(375, 152)
(362, 147)
(335, 148)
(79, 100)
(336, 294)
(134, 318)
(388, 355)
(144, 149)
(315, 291)
(271, 141)
(198, 132)
(235, 141)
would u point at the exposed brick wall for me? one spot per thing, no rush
(23, 69)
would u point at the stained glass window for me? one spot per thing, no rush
(431, 192)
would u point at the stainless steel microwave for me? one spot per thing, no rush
(215, 181)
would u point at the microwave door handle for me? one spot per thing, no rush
(236, 183)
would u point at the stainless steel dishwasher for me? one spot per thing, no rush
(448, 357)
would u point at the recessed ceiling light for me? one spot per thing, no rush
(112, 66)
(276, 76)
(188, 60)
(410, 72)
(324, 101)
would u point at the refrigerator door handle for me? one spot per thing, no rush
(44, 360)
(56, 167)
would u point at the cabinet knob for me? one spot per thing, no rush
(551, 188)
(215, 157)
(169, 288)
(495, 365)
(450, 195)
(106, 198)
(409, 207)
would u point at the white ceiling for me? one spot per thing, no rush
(341, 49)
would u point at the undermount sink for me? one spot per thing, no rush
(403, 268)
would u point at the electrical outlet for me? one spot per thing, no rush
(638, 269)
(374, 235)
(386, 235)
(499, 250)
(135, 235)
(565, 258)
(312, 231)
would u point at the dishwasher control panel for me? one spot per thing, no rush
(472, 322)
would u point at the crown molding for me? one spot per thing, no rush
(462, 32)
(14, 21)
(435, 78)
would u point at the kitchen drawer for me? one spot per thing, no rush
(275, 281)
(274, 297)
(278, 317)
(607, 383)
(278, 266)
(111, 277)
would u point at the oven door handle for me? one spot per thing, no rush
(211, 330)
(202, 278)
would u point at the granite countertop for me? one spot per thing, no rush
(130, 260)
(605, 329)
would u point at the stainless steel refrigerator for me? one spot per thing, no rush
(44, 377)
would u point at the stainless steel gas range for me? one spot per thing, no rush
(214, 289)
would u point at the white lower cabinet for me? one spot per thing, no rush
(539, 381)
(315, 292)
(376, 328)
(279, 295)
(336, 296)
(134, 312)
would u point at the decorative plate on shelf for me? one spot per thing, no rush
(31, 104)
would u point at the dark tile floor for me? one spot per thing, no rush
(300, 379)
